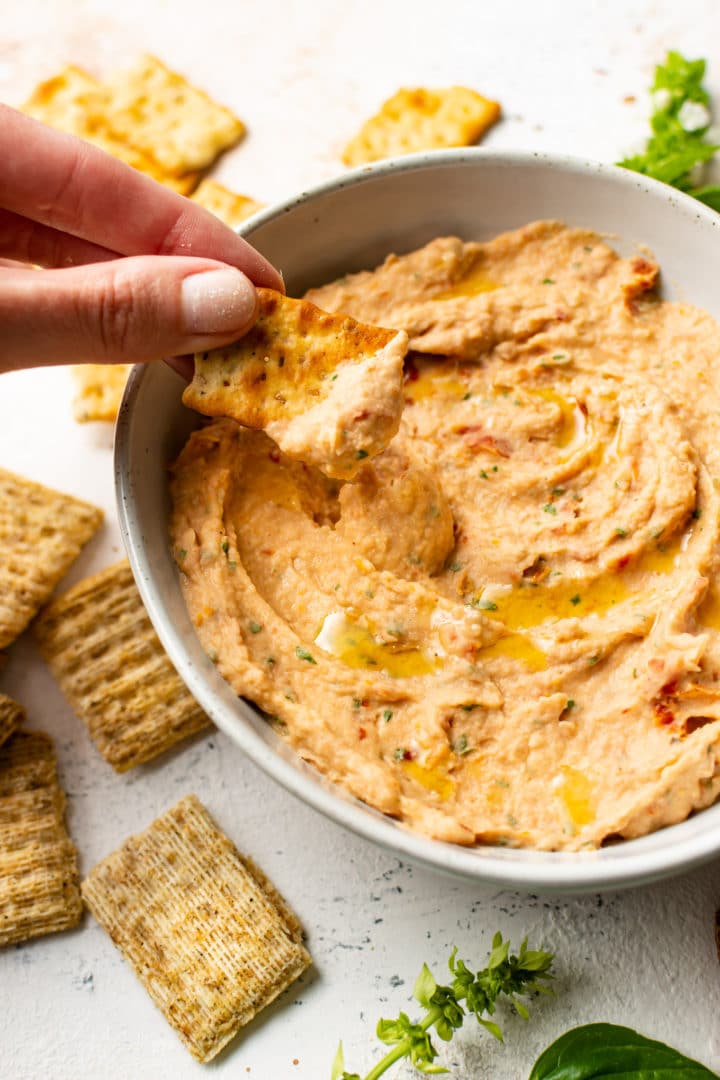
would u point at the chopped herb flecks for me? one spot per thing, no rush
(460, 746)
(550, 508)
(485, 605)
(303, 654)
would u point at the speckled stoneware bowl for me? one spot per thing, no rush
(351, 224)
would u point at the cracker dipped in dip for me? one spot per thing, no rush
(504, 629)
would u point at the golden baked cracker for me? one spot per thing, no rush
(41, 534)
(72, 101)
(104, 652)
(416, 119)
(225, 204)
(11, 717)
(209, 944)
(99, 390)
(326, 388)
(173, 122)
(39, 883)
(59, 101)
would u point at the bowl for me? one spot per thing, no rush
(349, 224)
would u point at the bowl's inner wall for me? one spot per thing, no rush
(353, 226)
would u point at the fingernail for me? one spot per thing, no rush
(217, 301)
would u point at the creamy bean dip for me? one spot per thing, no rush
(505, 629)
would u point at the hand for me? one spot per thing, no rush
(131, 270)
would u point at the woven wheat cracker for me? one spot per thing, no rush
(39, 885)
(11, 717)
(104, 652)
(202, 931)
(421, 119)
(41, 534)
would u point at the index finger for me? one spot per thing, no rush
(64, 182)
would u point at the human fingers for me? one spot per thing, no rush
(183, 365)
(124, 310)
(25, 241)
(64, 182)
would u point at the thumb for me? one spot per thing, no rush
(124, 310)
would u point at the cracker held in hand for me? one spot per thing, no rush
(11, 717)
(41, 534)
(177, 125)
(225, 204)
(211, 941)
(39, 884)
(100, 389)
(102, 649)
(419, 119)
(326, 389)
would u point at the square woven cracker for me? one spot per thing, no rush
(39, 883)
(73, 101)
(11, 717)
(41, 534)
(203, 933)
(104, 652)
(99, 390)
(420, 119)
(225, 204)
(177, 125)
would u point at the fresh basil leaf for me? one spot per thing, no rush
(607, 1050)
(709, 195)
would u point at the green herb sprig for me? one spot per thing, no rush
(679, 122)
(506, 975)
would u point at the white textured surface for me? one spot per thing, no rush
(303, 75)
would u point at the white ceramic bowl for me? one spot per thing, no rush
(349, 224)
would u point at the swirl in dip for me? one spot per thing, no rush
(505, 629)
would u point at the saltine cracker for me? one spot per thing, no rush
(74, 102)
(231, 208)
(173, 122)
(417, 118)
(99, 390)
(325, 388)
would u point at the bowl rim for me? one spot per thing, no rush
(540, 871)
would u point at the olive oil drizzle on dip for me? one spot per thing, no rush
(504, 629)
